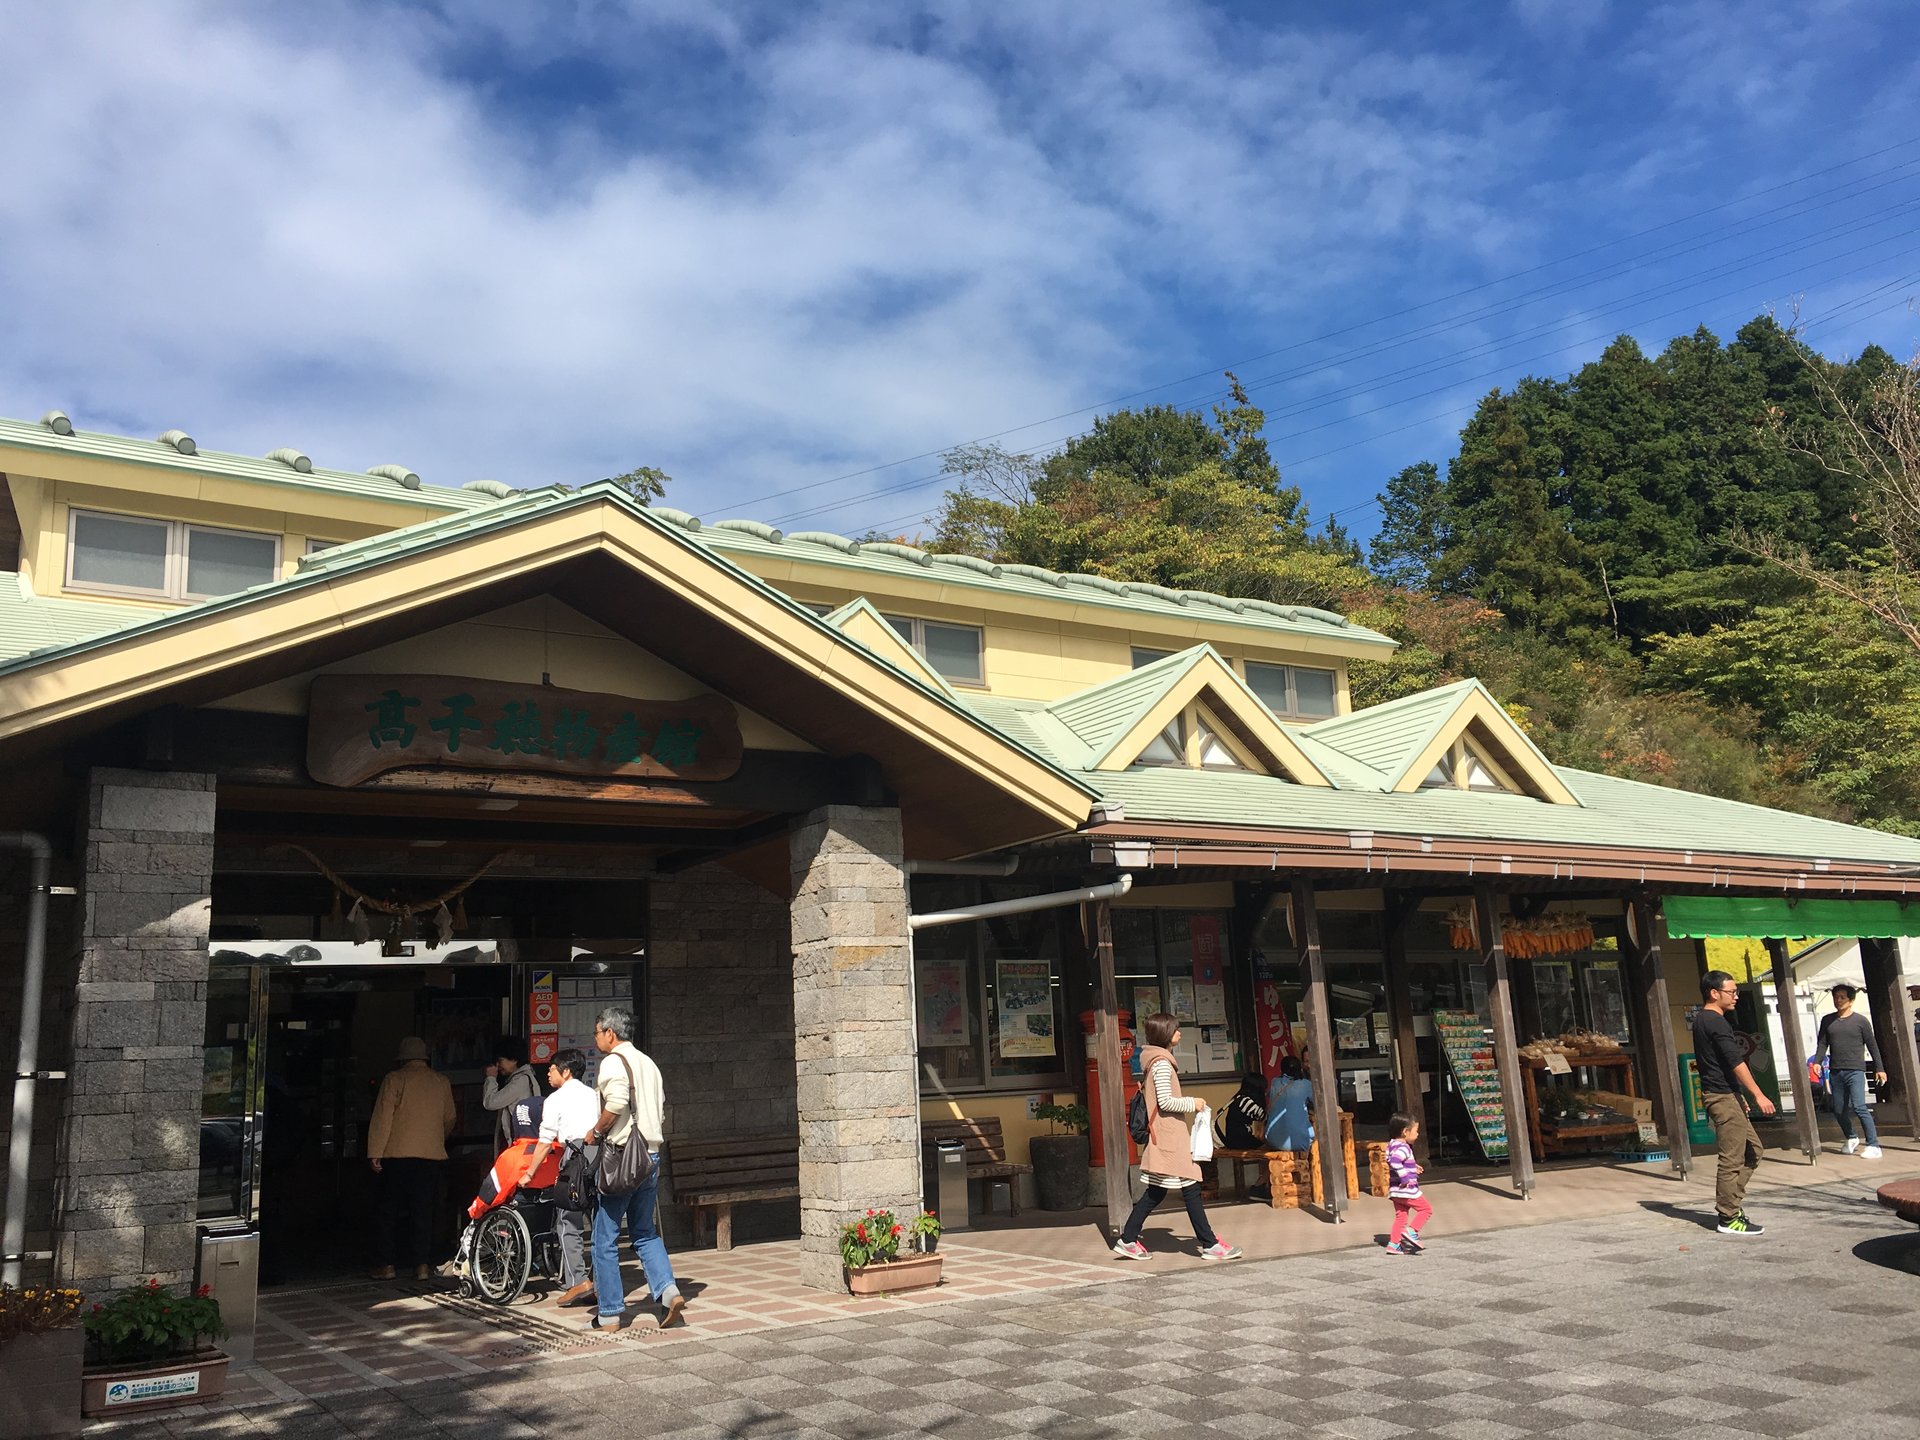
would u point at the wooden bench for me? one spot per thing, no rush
(986, 1154)
(712, 1176)
(1293, 1176)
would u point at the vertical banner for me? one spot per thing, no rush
(1274, 1031)
(543, 1019)
(942, 992)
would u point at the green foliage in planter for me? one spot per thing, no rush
(149, 1322)
(1072, 1118)
(874, 1239)
(925, 1225)
(36, 1310)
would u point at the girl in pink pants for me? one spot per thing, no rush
(1411, 1209)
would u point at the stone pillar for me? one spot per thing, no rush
(127, 1167)
(859, 1100)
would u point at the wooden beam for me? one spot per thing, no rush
(1646, 947)
(1326, 1078)
(1785, 1005)
(1410, 1098)
(1106, 1050)
(1506, 1054)
(1892, 1011)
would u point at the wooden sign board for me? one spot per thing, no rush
(361, 725)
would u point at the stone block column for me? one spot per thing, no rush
(858, 1097)
(127, 1165)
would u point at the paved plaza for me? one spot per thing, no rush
(1640, 1321)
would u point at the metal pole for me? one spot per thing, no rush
(1506, 1053)
(1326, 1079)
(1106, 1049)
(1786, 1005)
(13, 1238)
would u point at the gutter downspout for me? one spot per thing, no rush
(1022, 905)
(13, 1240)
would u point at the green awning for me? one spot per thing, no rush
(1703, 917)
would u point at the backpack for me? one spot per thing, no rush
(1137, 1124)
(578, 1190)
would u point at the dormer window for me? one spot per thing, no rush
(1464, 767)
(1193, 740)
(164, 559)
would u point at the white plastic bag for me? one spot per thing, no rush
(1203, 1134)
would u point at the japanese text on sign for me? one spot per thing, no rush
(362, 725)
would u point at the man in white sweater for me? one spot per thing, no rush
(632, 1099)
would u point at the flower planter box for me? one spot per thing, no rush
(909, 1272)
(181, 1380)
(40, 1378)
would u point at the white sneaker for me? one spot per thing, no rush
(1872, 1152)
(1130, 1250)
(1853, 1144)
(1220, 1250)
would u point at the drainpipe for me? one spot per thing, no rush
(13, 1240)
(1021, 905)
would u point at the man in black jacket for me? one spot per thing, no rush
(1722, 1062)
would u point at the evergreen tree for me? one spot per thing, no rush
(1416, 527)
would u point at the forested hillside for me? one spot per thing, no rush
(1602, 552)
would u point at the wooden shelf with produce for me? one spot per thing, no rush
(1551, 1138)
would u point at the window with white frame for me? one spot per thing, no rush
(1192, 740)
(954, 651)
(165, 559)
(1298, 690)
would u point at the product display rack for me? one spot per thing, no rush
(1467, 1043)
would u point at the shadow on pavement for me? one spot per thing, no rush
(1892, 1252)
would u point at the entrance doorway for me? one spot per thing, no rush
(295, 1052)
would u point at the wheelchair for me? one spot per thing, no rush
(512, 1233)
(508, 1246)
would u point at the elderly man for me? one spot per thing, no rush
(632, 1111)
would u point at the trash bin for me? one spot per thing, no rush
(230, 1265)
(943, 1166)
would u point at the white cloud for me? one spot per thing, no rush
(779, 249)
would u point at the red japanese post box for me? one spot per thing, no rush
(1129, 1086)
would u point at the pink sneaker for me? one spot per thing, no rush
(1220, 1250)
(1130, 1250)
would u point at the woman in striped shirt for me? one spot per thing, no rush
(1166, 1162)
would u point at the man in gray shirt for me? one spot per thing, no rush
(1849, 1036)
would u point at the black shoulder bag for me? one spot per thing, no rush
(625, 1168)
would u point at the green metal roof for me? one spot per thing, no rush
(1102, 714)
(30, 623)
(964, 573)
(33, 435)
(1386, 738)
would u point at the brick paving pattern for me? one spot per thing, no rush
(1642, 1322)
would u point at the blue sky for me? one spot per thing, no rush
(790, 253)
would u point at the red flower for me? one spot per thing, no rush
(204, 1291)
(98, 1308)
(153, 1284)
(862, 1233)
(896, 1229)
(870, 1214)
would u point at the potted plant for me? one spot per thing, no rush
(144, 1351)
(41, 1349)
(870, 1249)
(925, 1229)
(1060, 1157)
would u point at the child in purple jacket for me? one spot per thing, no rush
(1411, 1209)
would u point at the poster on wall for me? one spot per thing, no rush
(1146, 1001)
(1023, 990)
(1180, 997)
(942, 993)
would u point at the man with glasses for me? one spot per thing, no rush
(632, 1111)
(1723, 1065)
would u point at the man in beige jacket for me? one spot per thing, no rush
(407, 1146)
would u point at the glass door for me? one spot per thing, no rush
(232, 1095)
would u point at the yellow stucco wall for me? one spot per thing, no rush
(519, 644)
